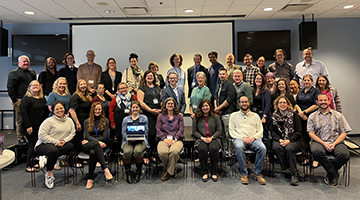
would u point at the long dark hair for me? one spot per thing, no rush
(199, 114)
(143, 80)
(277, 91)
(327, 85)
(263, 84)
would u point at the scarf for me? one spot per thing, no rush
(284, 122)
(126, 100)
(136, 70)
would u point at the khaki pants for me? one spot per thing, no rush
(169, 155)
(18, 120)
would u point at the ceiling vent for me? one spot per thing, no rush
(136, 10)
(295, 7)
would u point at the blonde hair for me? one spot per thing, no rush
(79, 93)
(55, 85)
(28, 92)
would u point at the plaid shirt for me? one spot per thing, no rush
(249, 74)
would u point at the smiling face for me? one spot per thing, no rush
(307, 82)
(322, 83)
(197, 60)
(248, 61)
(90, 55)
(282, 86)
(282, 104)
(176, 60)
(308, 55)
(323, 101)
(69, 60)
(133, 62)
(61, 86)
(34, 87)
(59, 110)
(50, 64)
(212, 59)
(112, 64)
(97, 110)
(173, 79)
(82, 86)
(238, 77)
(280, 57)
(205, 108)
(149, 78)
(244, 103)
(24, 63)
(229, 60)
(123, 89)
(135, 109)
(201, 80)
(100, 89)
(223, 75)
(270, 80)
(258, 80)
(154, 68)
(294, 86)
(170, 105)
(260, 62)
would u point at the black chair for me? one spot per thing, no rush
(194, 151)
(183, 159)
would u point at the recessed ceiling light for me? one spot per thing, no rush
(268, 9)
(109, 11)
(348, 6)
(102, 3)
(29, 13)
(189, 10)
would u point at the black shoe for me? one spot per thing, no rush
(22, 142)
(327, 179)
(214, 179)
(129, 177)
(175, 174)
(300, 176)
(294, 180)
(334, 182)
(137, 177)
(205, 179)
(165, 176)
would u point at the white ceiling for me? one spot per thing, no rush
(84, 11)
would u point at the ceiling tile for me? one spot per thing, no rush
(165, 3)
(240, 9)
(162, 11)
(131, 3)
(208, 10)
(118, 12)
(190, 3)
(93, 3)
(180, 11)
(218, 3)
(246, 2)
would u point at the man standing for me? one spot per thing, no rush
(90, 72)
(214, 72)
(48, 76)
(17, 84)
(191, 73)
(250, 71)
(328, 129)
(310, 66)
(280, 68)
(246, 129)
(241, 88)
(230, 59)
(224, 103)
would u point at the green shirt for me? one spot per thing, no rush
(198, 94)
(243, 89)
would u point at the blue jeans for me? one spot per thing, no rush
(257, 146)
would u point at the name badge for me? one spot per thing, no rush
(193, 84)
(126, 110)
(155, 101)
(91, 81)
(169, 137)
(194, 106)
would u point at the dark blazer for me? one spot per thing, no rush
(227, 93)
(106, 80)
(190, 75)
(199, 128)
(168, 92)
(161, 80)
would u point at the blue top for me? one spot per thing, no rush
(128, 119)
(315, 69)
(54, 96)
(182, 77)
(305, 100)
(214, 77)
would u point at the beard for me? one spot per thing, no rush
(244, 108)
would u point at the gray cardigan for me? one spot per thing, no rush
(199, 128)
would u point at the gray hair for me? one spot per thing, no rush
(201, 74)
(172, 72)
(23, 56)
(237, 71)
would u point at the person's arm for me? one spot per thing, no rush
(159, 133)
(24, 110)
(44, 130)
(316, 138)
(207, 93)
(162, 82)
(297, 129)
(259, 129)
(180, 133)
(164, 94)
(218, 127)
(74, 103)
(336, 99)
(112, 107)
(182, 103)
(311, 109)
(144, 106)
(266, 102)
(87, 135)
(72, 131)
(292, 71)
(12, 87)
(104, 136)
(195, 129)
(274, 132)
(79, 74)
(124, 127)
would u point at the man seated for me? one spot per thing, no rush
(328, 129)
(246, 129)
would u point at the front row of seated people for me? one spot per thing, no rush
(326, 127)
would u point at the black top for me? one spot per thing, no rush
(109, 84)
(288, 95)
(33, 111)
(82, 108)
(47, 79)
(160, 79)
(70, 75)
(149, 96)
(190, 76)
(257, 103)
(18, 82)
(101, 135)
(227, 93)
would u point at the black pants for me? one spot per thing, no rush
(96, 154)
(286, 155)
(213, 148)
(340, 153)
(32, 139)
(53, 152)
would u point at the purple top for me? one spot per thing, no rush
(174, 127)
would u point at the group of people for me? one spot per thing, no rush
(254, 108)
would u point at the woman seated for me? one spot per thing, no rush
(322, 83)
(285, 130)
(55, 134)
(170, 131)
(207, 129)
(96, 130)
(134, 147)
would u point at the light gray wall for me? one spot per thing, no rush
(338, 49)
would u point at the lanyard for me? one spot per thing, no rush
(96, 130)
(167, 122)
(179, 73)
(90, 71)
(152, 90)
(198, 91)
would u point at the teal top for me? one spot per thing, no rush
(198, 94)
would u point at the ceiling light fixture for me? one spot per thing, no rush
(268, 9)
(348, 6)
(109, 11)
(189, 10)
(102, 3)
(29, 13)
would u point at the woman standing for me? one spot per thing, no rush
(282, 90)
(260, 63)
(133, 74)
(176, 62)
(149, 96)
(153, 66)
(80, 103)
(198, 93)
(270, 79)
(207, 129)
(34, 112)
(294, 87)
(322, 83)
(170, 131)
(110, 78)
(55, 134)
(285, 130)
(60, 92)
(96, 130)
(135, 147)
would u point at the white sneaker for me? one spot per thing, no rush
(49, 181)
(42, 161)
